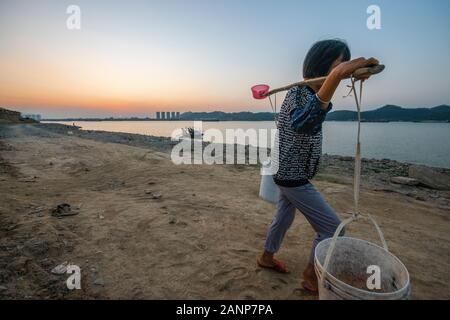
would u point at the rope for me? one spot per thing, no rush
(356, 190)
(274, 109)
(357, 173)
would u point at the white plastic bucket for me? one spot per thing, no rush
(268, 190)
(347, 272)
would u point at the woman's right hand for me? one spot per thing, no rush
(346, 69)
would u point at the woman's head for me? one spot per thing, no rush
(324, 56)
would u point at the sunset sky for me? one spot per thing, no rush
(132, 58)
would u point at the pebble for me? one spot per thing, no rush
(153, 195)
(60, 269)
(405, 181)
(10, 227)
(99, 282)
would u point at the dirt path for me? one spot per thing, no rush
(198, 240)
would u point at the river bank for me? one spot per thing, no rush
(144, 228)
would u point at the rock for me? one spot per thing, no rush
(31, 179)
(156, 196)
(430, 177)
(345, 158)
(201, 246)
(153, 195)
(99, 282)
(10, 227)
(405, 180)
(63, 210)
(60, 269)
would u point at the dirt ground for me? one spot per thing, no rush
(148, 229)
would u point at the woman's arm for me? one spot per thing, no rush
(307, 117)
(306, 113)
(342, 71)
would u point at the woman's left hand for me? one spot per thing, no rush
(370, 62)
(362, 77)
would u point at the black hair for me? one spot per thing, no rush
(321, 56)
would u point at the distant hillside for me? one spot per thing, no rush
(226, 116)
(384, 114)
(395, 113)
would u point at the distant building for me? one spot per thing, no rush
(36, 117)
(167, 115)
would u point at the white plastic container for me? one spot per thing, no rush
(268, 190)
(346, 277)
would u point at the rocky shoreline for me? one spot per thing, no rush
(383, 175)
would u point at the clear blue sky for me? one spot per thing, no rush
(136, 57)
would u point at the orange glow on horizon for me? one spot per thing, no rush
(107, 86)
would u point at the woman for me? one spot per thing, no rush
(299, 150)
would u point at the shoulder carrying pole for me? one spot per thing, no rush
(358, 73)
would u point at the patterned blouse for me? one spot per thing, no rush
(299, 140)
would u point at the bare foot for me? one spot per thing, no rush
(310, 279)
(266, 260)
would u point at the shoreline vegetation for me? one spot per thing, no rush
(140, 227)
(388, 113)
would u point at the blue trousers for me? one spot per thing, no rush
(316, 210)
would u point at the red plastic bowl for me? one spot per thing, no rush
(259, 91)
